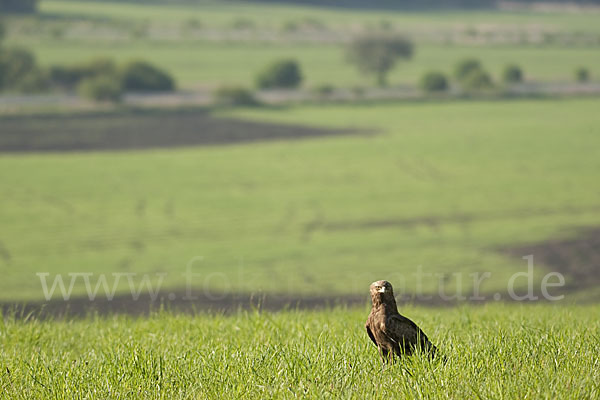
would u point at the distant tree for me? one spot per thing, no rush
(2, 31)
(35, 81)
(70, 76)
(18, 71)
(66, 77)
(280, 74)
(434, 82)
(471, 75)
(18, 6)
(477, 80)
(101, 88)
(512, 74)
(464, 67)
(582, 74)
(376, 54)
(142, 76)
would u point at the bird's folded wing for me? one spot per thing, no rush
(370, 334)
(401, 329)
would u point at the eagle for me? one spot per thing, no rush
(392, 333)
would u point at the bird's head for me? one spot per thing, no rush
(381, 291)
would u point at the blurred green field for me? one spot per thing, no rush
(442, 185)
(493, 352)
(201, 45)
(218, 13)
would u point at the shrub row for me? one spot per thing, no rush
(19, 71)
(284, 74)
(471, 76)
(99, 78)
(137, 76)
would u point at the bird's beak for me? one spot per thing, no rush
(382, 290)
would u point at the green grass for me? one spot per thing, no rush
(264, 215)
(495, 351)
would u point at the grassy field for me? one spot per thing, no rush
(201, 46)
(442, 185)
(493, 352)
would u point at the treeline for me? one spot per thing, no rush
(100, 78)
(18, 6)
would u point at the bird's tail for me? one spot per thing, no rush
(432, 350)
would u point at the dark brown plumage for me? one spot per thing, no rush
(392, 333)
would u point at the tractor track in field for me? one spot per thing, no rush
(435, 221)
(221, 303)
(577, 257)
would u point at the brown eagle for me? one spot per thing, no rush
(392, 333)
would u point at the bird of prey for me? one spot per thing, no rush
(392, 333)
